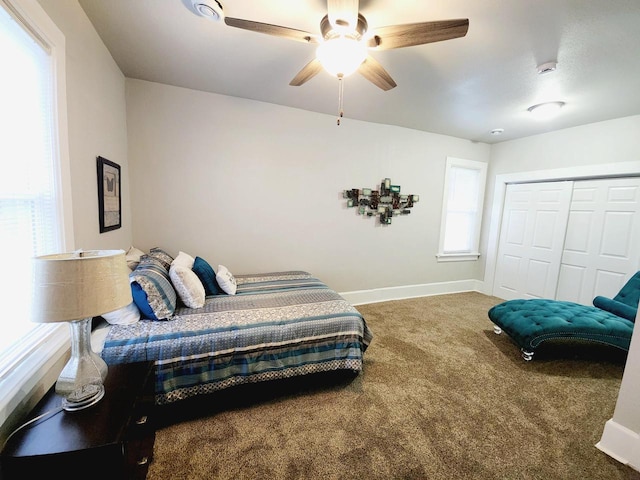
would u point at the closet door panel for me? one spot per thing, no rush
(607, 283)
(616, 234)
(603, 233)
(509, 273)
(538, 277)
(531, 240)
(571, 282)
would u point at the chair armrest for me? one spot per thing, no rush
(617, 308)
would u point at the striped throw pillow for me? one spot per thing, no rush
(152, 290)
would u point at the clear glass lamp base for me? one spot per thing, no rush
(81, 380)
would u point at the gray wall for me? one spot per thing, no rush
(258, 187)
(627, 410)
(96, 122)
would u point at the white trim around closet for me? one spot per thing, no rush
(607, 170)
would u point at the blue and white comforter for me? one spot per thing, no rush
(278, 325)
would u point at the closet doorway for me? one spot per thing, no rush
(568, 240)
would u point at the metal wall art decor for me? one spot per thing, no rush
(386, 202)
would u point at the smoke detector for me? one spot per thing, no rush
(547, 68)
(211, 9)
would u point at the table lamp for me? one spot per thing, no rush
(75, 287)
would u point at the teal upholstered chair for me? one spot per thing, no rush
(531, 322)
(625, 303)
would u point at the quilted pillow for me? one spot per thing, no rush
(207, 276)
(226, 280)
(163, 256)
(151, 288)
(188, 286)
(183, 259)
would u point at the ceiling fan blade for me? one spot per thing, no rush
(309, 71)
(343, 13)
(276, 30)
(398, 36)
(376, 74)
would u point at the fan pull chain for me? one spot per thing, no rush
(340, 97)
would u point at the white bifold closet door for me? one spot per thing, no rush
(602, 244)
(568, 240)
(534, 221)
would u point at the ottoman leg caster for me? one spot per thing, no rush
(527, 355)
(497, 330)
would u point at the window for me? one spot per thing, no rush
(35, 176)
(462, 210)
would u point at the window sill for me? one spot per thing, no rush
(457, 257)
(24, 385)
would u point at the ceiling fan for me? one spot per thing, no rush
(345, 39)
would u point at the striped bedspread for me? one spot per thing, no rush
(278, 325)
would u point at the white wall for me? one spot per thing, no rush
(603, 142)
(627, 412)
(96, 121)
(621, 434)
(258, 187)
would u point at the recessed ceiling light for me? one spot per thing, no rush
(497, 131)
(547, 68)
(211, 9)
(544, 111)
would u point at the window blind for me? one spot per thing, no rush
(461, 210)
(462, 207)
(29, 198)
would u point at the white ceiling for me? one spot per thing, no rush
(463, 87)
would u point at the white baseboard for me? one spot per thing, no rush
(621, 444)
(376, 295)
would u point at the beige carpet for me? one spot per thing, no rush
(441, 397)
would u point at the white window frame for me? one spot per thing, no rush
(43, 352)
(473, 253)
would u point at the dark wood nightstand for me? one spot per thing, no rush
(112, 439)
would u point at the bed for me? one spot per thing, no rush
(277, 325)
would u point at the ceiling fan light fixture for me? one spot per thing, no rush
(545, 111)
(211, 9)
(341, 56)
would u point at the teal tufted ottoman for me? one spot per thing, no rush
(531, 322)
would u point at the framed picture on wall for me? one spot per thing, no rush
(109, 201)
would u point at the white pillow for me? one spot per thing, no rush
(123, 316)
(187, 285)
(133, 257)
(226, 280)
(184, 260)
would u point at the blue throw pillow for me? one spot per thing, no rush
(617, 308)
(207, 276)
(141, 301)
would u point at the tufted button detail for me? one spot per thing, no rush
(530, 322)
